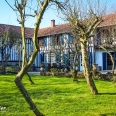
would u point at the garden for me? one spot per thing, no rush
(57, 96)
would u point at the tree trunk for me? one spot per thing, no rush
(26, 96)
(86, 69)
(29, 77)
(74, 74)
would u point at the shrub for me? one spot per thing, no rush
(47, 73)
(8, 69)
(68, 75)
(42, 64)
(53, 70)
(61, 74)
(0, 67)
(54, 73)
(11, 69)
(80, 75)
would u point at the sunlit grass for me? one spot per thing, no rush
(56, 96)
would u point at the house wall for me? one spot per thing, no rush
(99, 58)
(49, 57)
(16, 54)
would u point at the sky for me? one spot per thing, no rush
(8, 16)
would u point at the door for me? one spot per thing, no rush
(109, 62)
(104, 59)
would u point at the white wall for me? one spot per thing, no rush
(98, 58)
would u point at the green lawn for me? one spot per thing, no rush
(56, 96)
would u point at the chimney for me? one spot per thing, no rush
(52, 23)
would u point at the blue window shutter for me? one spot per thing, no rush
(58, 59)
(65, 58)
(51, 42)
(42, 57)
(45, 41)
(114, 60)
(69, 39)
(61, 40)
(39, 58)
(90, 60)
(104, 55)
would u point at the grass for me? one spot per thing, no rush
(57, 97)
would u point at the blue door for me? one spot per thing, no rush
(114, 60)
(42, 57)
(104, 59)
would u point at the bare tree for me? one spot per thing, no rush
(84, 17)
(20, 8)
(106, 39)
(7, 41)
(67, 53)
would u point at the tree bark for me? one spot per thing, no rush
(26, 96)
(29, 77)
(74, 74)
(20, 7)
(86, 69)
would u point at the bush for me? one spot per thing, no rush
(61, 74)
(68, 75)
(107, 76)
(48, 73)
(11, 69)
(53, 70)
(0, 67)
(80, 75)
(8, 69)
(54, 73)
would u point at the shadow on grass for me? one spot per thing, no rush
(108, 114)
(106, 93)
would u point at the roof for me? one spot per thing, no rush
(16, 30)
(64, 28)
(108, 20)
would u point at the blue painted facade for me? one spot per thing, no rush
(46, 54)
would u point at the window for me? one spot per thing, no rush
(45, 42)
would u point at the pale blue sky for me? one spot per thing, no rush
(8, 16)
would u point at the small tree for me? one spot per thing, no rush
(38, 14)
(67, 53)
(84, 17)
(106, 38)
(7, 41)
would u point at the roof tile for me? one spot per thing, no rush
(109, 19)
